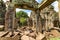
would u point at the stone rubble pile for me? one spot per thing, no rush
(27, 33)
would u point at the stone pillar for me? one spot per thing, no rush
(6, 21)
(59, 10)
(28, 22)
(10, 18)
(33, 23)
(2, 12)
(33, 18)
(6, 17)
(38, 23)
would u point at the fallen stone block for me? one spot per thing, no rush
(24, 37)
(40, 36)
(32, 35)
(30, 38)
(55, 33)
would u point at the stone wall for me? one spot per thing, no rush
(48, 15)
(2, 12)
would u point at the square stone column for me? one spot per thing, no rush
(10, 18)
(38, 21)
(6, 20)
(59, 10)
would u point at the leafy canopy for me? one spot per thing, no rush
(22, 16)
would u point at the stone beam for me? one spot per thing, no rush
(31, 5)
(25, 4)
(45, 4)
(24, 7)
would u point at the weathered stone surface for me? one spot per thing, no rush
(24, 37)
(30, 38)
(40, 36)
(26, 32)
(46, 3)
(32, 35)
(59, 8)
(3, 33)
(6, 38)
(55, 33)
(2, 12)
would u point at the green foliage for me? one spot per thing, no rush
(22, 16)
(54, 38)
(22, 20)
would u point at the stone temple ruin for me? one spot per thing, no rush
(8, 13)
